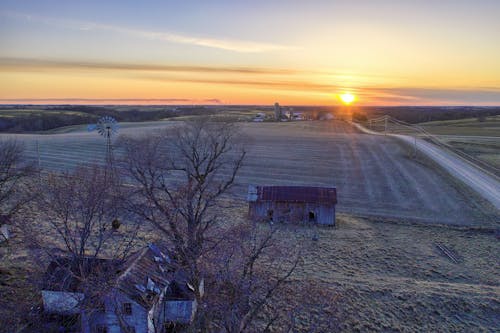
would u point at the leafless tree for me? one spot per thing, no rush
(81, 212)
(248, 269)
(179, 179)
(14, 171)
(80, 208)
(82, 231)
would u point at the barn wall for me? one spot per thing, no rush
(292, 212)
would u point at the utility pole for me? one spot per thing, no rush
(385, 126)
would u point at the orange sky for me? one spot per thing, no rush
(384, 52)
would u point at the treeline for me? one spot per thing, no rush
(419, 114)
(410, 114)
(50, 117)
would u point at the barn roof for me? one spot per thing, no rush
(304, 194)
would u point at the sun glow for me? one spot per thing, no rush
(347, 98)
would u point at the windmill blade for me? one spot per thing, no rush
(107, 126)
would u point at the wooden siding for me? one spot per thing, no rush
(138, 319)
(182, 311)
(292, 212)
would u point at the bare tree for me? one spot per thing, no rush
(83, 212)
(248, 269)
(179, 179)
(14, 170)
(82, 233)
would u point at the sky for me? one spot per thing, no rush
(385, 52)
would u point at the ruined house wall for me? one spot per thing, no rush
(138, 319)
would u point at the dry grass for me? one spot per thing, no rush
(391, 277)
(364, 274)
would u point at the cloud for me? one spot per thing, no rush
(109, 101)
(298, 85)
(25, 64)
(228, 44)
(423, 95)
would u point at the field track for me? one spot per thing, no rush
(373, 174)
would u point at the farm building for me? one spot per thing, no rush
(144, 294)
(292, 204)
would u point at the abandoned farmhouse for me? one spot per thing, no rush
(145, 294)
(292, 204)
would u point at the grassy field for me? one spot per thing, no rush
(392, 278)
(480, 139)
(490, 126)
(374, 175)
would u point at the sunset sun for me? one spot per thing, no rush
(347, 98)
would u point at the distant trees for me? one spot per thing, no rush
(44, 118)
(418, 114)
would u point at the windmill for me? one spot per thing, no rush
(107, 127)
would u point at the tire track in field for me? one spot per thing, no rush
(413, 178)
(388, 190)
(359, 171)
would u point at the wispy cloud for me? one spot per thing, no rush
(235, 45)
(297, 85)
(432, 96)
(26, 64)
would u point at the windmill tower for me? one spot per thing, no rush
(106, 127)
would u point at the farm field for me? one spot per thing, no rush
(480, 139)
(489, 126)
(374, 175)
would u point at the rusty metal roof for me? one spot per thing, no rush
(142, 276)
(304, 194)
(148, 271)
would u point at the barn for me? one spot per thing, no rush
(292, 204)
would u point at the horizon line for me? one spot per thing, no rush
(173, 102)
